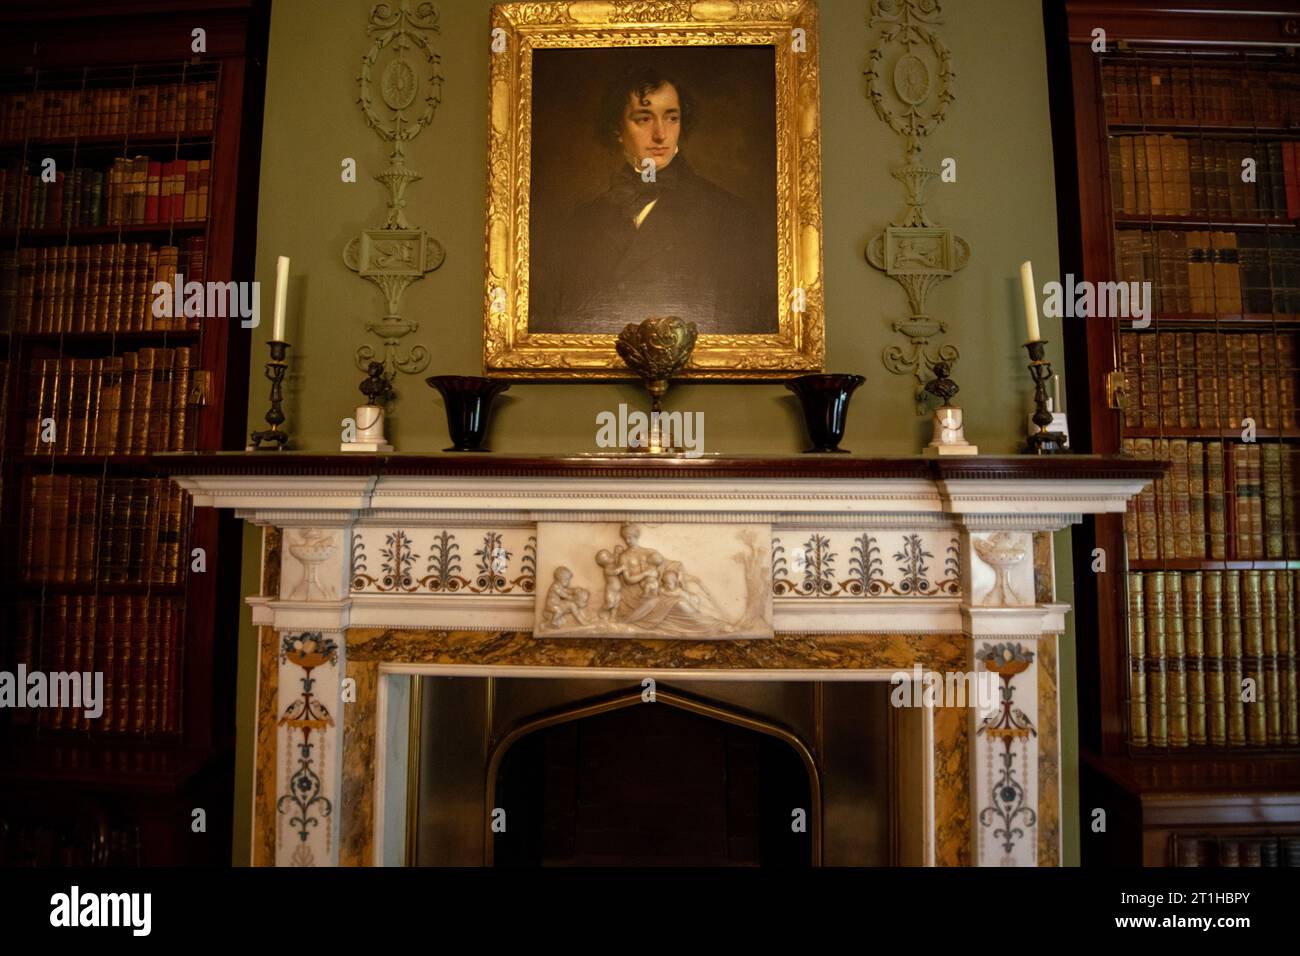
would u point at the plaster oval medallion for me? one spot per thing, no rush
(911, 79)
(399, 85)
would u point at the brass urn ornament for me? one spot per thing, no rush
(655, 349)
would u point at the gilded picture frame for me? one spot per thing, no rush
(794, 341)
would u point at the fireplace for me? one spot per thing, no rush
(587, 772)
(825, 578)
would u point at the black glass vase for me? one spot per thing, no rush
(469, 404)
(825, 401)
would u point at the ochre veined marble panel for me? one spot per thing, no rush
(357, 824)
(367, 648)
(1049, 763)
(265, 759)
(784, 651)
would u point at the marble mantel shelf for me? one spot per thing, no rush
(433, 564)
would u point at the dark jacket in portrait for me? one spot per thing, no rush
(701, 254)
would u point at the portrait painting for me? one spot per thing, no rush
(649, 160)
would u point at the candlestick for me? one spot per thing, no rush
(1042, 442)
(275, 370)
(281, 295)
(1031, 300)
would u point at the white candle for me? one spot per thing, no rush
(1056, 393)
(281, 293)
(1031, 300)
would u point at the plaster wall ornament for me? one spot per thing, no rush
(909, 82)
(398, 99)
(706, 582)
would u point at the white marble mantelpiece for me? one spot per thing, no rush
(860, 547)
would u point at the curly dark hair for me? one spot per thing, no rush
(638, 81)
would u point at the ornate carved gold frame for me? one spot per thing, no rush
(509, 351)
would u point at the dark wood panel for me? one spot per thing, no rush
(993, 468)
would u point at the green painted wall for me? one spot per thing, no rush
(1003, 204)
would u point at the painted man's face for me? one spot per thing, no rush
(651, 126)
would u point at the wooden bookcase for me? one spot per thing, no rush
(91, 87)
(1150, 135)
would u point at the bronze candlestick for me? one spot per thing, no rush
(275, 369)
(1042, 442)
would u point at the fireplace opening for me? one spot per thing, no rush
(529, 772)
(627, 783)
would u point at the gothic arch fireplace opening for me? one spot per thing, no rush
(526, 772)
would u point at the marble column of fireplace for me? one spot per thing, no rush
(429, 566)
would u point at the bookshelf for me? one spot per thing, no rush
(1178, 153)
(125, 158)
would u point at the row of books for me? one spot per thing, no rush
(133, 191)
(1185, 513)
(1175, 176)
(1236, 851)
(126, 404)
(144, 109)
(80, 530)
(96, 288)
(1160, 93)
(1195, 638)
(1209, 380)
(1224, 273)
(133, 640)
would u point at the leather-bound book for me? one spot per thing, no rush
(1250, 855)
(1253, 654)
(1180, 498)
(126, 423)
(1157, 699)
(59, 507)
(1149, 376)
(1287, 373)
(1271, 689)
(1196, 497)
(1137, 689)
(1215, 500)
(160, 411)
(1254, 462)
(1229, 853)
(152, 677)
(1194, 658)
(1175, 659)
(1234, 672)
(1270, 456)
(1165, 497)
(107, 657)
(1147, 521)
(1187, 377)
(1130, 364)
(144, 381)
(1289, 608)
(1167, 346)
(124, 661)
(1212, 663)
(108, 405)
(1268, 855)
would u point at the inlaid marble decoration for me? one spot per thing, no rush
(635, 579)
(443, 561)
(865, 563)
(305, 796)
(1007, 762)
